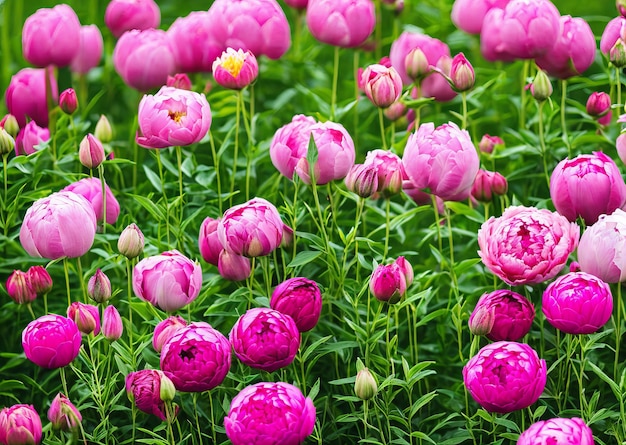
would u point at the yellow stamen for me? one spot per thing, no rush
(176, 116)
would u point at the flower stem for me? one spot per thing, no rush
(67, 281)
(618, 328)
(104, 198)
(563, 121)
(522, 109)
(216, 163)
(464, 110)
(236, 152)
(382, 128)
(166, 203)
(129, 274)
(542, 141)
(179, 162)
(618, 84)
(333, 97)
(387, 224)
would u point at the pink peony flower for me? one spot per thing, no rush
(557, 430)
(165, 329)
(290, 144)
(573, 52)
(196, 358)
(487, 184)
(512, 315)
(468, 15)
(168, 281)
(401, 55)
(89, 51)
(86, 317)
(437, 85)
(68, 102)
(144, 388)
(112, 327)
(60, 225)
(251, 229)
(301, 299)
(144, 59)
(208, 241)
(382, 85)
(124, 15)
(195, 51)
(389, 282)
(91, 189)
(25, 96)
(614, 30)
(51, 36)
(180, 81)
(29, 138)
(488, 143)
(259, 26)
(51, 341)
(598, 104)
(389, 169)
(362, 179)
(441, 159)
(91, 152)
(63, 415)
(20, 288)
(527, 245)
(505, 376)
(577, 303)
(346, 24)
(235, 69)
(270, 413)
(173, 117)
(266, 339)
(233, 267)
(602, 246)
(20, 424)
(587, 186)
(40, 280)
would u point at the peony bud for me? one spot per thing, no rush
(233, 267)
(86, 317)
(168, 390)
(68, 101)
(10, 124)
(462, 73)
(112, 326)
(395, 111)
(99, 287)
(362, 179)
(621, 7)
(131, 241)
(91, 151)
(63, 414)
(40, 280)
(487, 183)
(481, 322)
(365, 386)
(7, 143)
(541, 88)
(180, 81)
(388, 283)
(617, 54)
(489, 143)
(103, 131)
(417, 66)
(598, 104)
(19, 287)
(620, 144)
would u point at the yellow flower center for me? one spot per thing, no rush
(176, 116)
(233, 64)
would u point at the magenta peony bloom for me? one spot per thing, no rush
(51, 341)
(112, 327)
(258, 26)
(301, 299)
(235, 69)
(144, 388)
(527, 245)
(441, 159)
(612, 33)
(233, 267)
(40, 280)
(512, 315)
(270, 413)
(402, 57)
(29, 138)
(382, 85)
(602, 246)
(60, 225)
(389, 281)
(20, 424)
(144, 59)
(577, 303)
(468, 15)
(505, 376)
(173, 117)
(346, 24)
(89, 51)
(587, 186)
(196, 358)
(266, 339)
(168, 281)
(25, 96)
(251, 229)
(208, 241)
(195, 51)
(165, 329)
(86, 317)
(63, 415)
(557, 431)
(573, 52)
(91, 190)
(124, 15)
(51, 36)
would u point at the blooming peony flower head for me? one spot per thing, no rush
(527, 245)
(512, 314)
(91, 190)
(270, 413)
(343, 24)
(124, 15)
(468, 15)
(89, 51)
(235, 69)
(194, 51)
(51, 341)
(301, 299)
(20, 424)
(30, 138)
(25, 97)
(505, 376)
(557, 431)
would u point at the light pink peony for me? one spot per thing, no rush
(25, 96)
(251, 229)
(389, 169)
(20, 424)
(144, 59)
(433, 50)
(587, 186)
(290, 144)
(196, 358)
(91, 190)
(173, 117)
(208, 241)
(505, 376)
(51, 36)
(259, 26)
(29, 138)
(195, 51)
(144, 388)
(62, 414)
(602, 248)
(512, 314)
(233, 267)
(168, 281)
(441, 159)
(235, 69)
(266, 339)
(527, 245)
(89, 51)
(165, 329)
(60, 225)
(270, 413)
(577, 303)
(301, 299)
(346, 24)
(124, 15)
(382, 85)
(468, 15)
(557, 431)
(51, 341)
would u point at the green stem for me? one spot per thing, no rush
(387, 226)
(618, 84)
(544, 150)
(236, 152)
(563, 120)
(67, 281)
(522, 110)
(129, 275)
(64, 381)
(381, 121)
(212, 419)
(5, 160)
(181, 206)
(333, 97)
(79, 271)
(464, 110)
(104, 197)
(365, 419)
(216, 163)
(49, 71)
(166, 203)
(581, 397)
(618, 327)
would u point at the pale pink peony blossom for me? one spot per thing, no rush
(614, 30)
(468, 15)
(89, 51)
(91, 189)
(124, 15)
(401, 54)
(346, 24)
(29, 138)
(389, 169)
(382, 85)
(194, 51)
(20, 424)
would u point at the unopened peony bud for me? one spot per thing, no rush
(541, 88)
(617, 54)
(168, 390)
(233, 267)
(112, 326)
(462, 73)
(362, 179)
(68, 102)
(489, 143)
(481, 322)
(499, 184)
(90, 151)
(417, 66)
(99, 287)
(103, 131)
(365, 386)
(63, 414)
(620, 144)
(131, 241)
(180, 81)
(395, 111)
(40, 279)
(7, 143)
(86, 317)
(19, 288)
(488, 183)
(598, 104)
(10, 124)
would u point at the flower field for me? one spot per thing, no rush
(313, 222)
